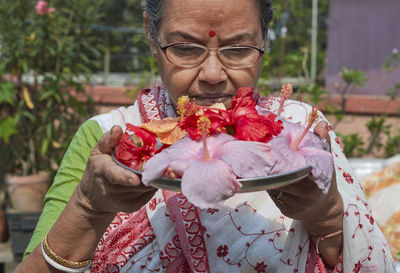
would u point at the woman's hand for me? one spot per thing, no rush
(104, 190)
(320, 214)
(106, 187)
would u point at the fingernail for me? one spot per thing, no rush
(130, 180)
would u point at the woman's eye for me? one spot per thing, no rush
(237, 52)
(184, 50)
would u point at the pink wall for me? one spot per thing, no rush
(362, 35)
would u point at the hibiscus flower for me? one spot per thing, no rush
(166, 130)
(136, 146)
(298, 148)
(249, 125)
(209, 172)
(42, 9)
(219, 119)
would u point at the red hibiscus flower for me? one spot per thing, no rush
(218, 118)
(256, 127)
(249, 125)
(243, 102)
(136, 146)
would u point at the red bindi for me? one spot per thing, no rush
(211, 33)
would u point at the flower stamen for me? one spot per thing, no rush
(203, 125)
(136, 140)
(311, 119)
(185, 107)
(286, 91)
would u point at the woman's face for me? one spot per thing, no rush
(234, 22)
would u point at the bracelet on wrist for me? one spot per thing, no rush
(60, 263)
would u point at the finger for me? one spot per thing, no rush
(104, 167)
(115, 174)
(288, 204)
(109, 140)
(321, 130)
(291, 206)
(304, 188)
(128, 206)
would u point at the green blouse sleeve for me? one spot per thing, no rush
(68, 176)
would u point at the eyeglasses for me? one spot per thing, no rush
(189, 55)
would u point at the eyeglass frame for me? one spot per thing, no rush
(164, 48)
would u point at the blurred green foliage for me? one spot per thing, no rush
(43, 57)
(290, 54)
(125, 47)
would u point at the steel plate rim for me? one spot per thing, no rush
(249, 184)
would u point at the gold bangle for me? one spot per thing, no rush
(61, 260)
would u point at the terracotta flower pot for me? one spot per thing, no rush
(3, 226)
(27, 192)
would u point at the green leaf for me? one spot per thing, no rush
(3, 65)
(24, 64)
(7, 92)
(57, 97)
(352, 144)
(49, 130)
(7, 129)
(28, 115)
(45, 95)
(351, 76)
(45, 146)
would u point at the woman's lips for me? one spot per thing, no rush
(210, 100)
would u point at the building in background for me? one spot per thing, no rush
(365, 35)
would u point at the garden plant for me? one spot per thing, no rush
(47, 52)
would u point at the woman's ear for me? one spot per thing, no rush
(147, 30)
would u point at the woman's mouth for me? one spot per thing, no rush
(210, 100)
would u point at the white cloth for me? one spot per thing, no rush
(249, 234)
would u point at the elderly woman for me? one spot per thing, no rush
(112, 222)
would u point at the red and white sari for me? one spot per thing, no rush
(247, 233)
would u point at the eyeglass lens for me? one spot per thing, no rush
(190, 55)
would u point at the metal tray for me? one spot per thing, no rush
(249, 184)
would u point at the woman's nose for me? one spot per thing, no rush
(212, 70)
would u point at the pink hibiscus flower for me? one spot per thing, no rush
(298, 148)
(209, 175)
(42, 9)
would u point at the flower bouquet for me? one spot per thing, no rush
(212, 148)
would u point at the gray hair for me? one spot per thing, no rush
(154, 10)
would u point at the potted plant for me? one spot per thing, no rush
(46, 55)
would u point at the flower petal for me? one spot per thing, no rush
(176, 157)
(286, 158)
(322, 166)
(247, 158)
(310, 152)
(167, 130)
(207, 183)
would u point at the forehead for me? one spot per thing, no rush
(198, 17)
